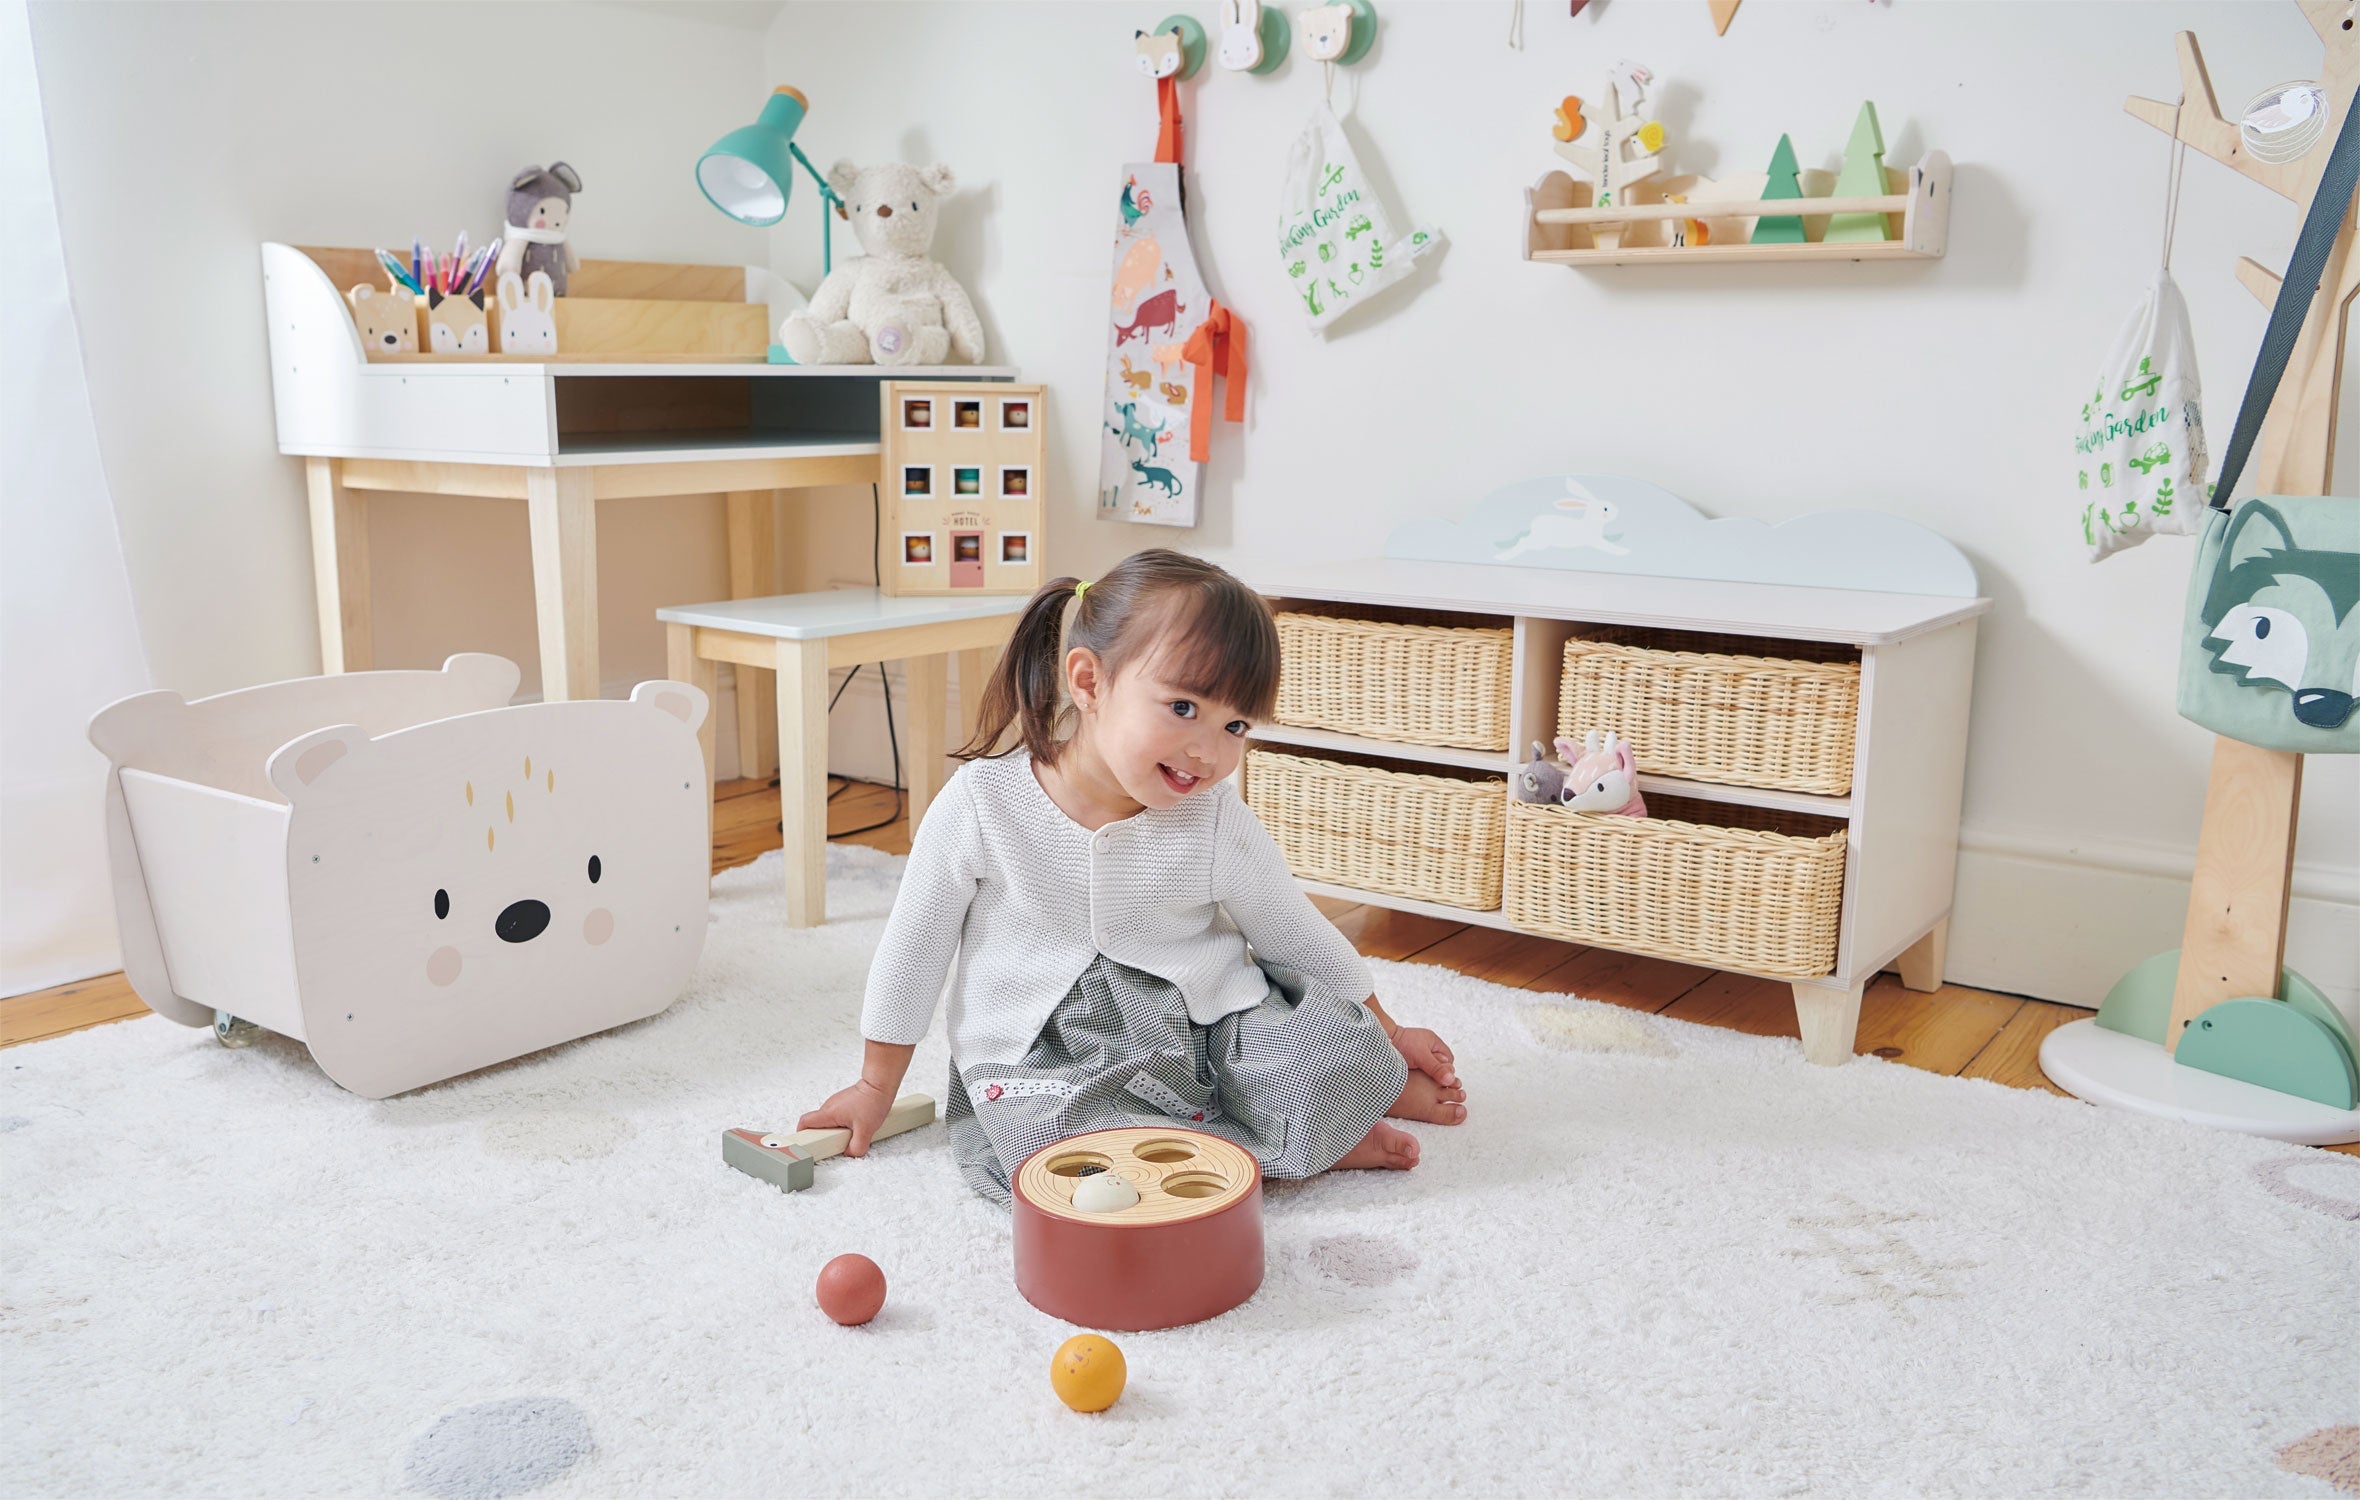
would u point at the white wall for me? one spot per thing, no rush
(69, 642)
(184, 135)
(1942, 392)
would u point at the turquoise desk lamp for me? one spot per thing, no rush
(748, 174)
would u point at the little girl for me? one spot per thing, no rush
(1099, 885)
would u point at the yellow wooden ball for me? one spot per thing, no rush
(1088, 1372)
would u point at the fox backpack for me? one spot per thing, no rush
(2270, 639)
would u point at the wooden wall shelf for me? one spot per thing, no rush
(1560, 221)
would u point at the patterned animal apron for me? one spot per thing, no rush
(1148, 467)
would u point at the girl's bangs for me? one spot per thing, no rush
(1218, 644)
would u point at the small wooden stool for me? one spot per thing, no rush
(802, 637)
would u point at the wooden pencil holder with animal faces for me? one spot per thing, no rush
(457, 324)
(387, 321)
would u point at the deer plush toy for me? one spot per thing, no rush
(1602, 777)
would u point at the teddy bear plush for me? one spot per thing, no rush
(893, 305)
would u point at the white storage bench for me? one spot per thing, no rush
(1613, 560)
(401, 871)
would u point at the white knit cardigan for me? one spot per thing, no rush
(1025, 898)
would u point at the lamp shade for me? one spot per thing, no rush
(747, 173)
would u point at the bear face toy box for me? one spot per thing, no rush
(401, 871)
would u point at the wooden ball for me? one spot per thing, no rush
(1088, 1372)
(851, 1289)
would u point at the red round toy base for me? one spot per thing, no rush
(1181, 1255)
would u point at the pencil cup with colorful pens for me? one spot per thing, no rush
(451, 289)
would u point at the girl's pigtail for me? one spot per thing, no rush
(1028, 686)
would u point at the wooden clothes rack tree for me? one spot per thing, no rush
(2235, 939)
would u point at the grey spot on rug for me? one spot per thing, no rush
(13, 1122)
(1362, 1259)
(1596, 1028)
(2331, 1453)
(559, 1135)
(498, 1448)
(2272, 1175)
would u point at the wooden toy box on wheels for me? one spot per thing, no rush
(402, 872)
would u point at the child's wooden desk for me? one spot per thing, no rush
(564, 432)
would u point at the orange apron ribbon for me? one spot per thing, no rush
(1218, 347)
(1167, 109)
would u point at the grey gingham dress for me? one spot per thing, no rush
(1296, 1080)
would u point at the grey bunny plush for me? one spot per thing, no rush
(1539, 779)
(540, 207)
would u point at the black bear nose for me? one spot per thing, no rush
(521, 922)
(2323, 708)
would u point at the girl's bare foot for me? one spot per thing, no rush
(1424, 1099)
(1386, 1146)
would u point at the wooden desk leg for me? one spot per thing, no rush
(803, 777)
(340, 567)
(753, 574)
(975, 671)
(1830, 1022)
(2234, 943)
(929, 681)
(565, 580)
(682, 664)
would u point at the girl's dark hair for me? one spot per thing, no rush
(1207, 633)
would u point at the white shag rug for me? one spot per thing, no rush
(1659, 1259)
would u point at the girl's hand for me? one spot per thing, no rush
(1424, 1051)
(859, 1109)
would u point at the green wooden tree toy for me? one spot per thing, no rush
(1863, 177)
(1781, 229)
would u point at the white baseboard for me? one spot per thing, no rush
(2063, 921)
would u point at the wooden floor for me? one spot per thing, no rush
(1964, 1032)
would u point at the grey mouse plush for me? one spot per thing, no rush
(540, 209)
(1539, 779)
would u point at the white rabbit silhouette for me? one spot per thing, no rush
(1584, 525)
(1241, 34)
(527, 326)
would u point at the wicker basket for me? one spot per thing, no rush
(1425, 684)
(1437, 837)
(1691, 708)
(1765, 899)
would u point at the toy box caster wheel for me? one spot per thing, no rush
(233, 1031)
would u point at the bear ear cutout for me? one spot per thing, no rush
(493, 678)
(683, 702)
(128, 727)
(567, 175)
(937, 180)
(296, 767)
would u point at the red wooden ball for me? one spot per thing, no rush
(851, 1289)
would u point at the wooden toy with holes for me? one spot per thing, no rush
(784, 1158)
(1138, 1227)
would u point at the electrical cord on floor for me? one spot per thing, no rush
(884, 688)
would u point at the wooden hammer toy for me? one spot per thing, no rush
(784, 1158)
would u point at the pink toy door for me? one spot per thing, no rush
(966, 559)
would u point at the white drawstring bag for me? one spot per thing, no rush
(1334, 237)
(2138, 452)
